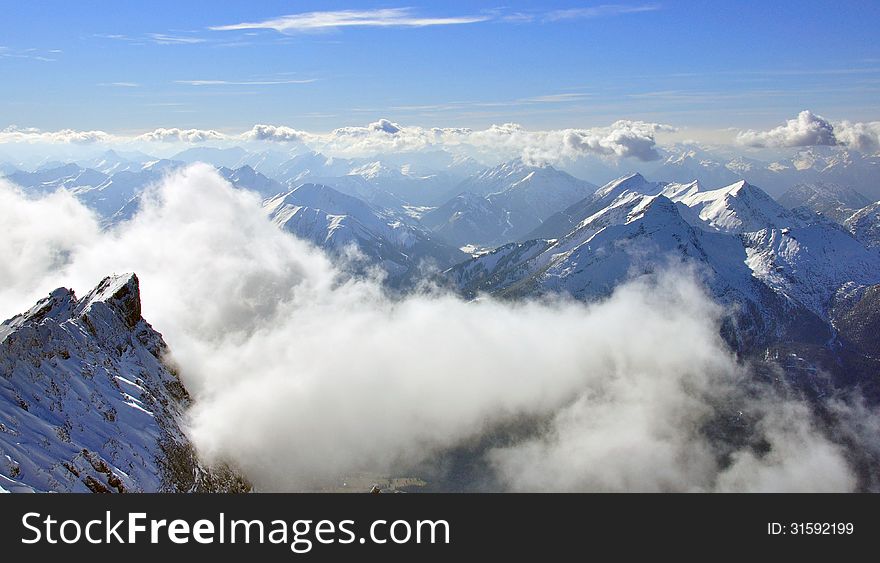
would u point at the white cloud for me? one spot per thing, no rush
(316, 21)
(634, 139)
(621, 139)
(14, 134)
(181, 135)
(39, 235)
(863, 137)
(274, 133)
(807, 129)
(302, 377)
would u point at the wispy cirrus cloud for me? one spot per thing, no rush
(407, 17)
(318, 21)
(32, 54)
(165, 39)
(605, 10)
(244, 82)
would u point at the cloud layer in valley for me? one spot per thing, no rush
(303, 376)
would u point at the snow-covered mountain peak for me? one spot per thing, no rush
(631, 182)
(739, 207)
(375, 170)
(502, 170)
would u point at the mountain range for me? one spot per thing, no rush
(90, 402)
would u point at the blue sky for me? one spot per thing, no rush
(124, 67)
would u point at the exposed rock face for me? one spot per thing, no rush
(88, 404)
(857, 318)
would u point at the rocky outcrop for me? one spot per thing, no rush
(88, 403)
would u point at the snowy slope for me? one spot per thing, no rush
(737, 208)
(810, 263)
(335, 221)
(562, 222)
(864, 225)
(87, 402)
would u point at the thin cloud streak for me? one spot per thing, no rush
(605, 10)
(244, 82)
(163, 39)
(315, 21)
(406, 17)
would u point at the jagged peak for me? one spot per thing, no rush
(737, 187)
(634, 182)
(633, 179)
(121, 293)
(246, 169)
(57, 304)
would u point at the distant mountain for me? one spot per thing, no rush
(361, 188)
(248, 178)
(814, 165)
(468, 218)
(836, 202)
(403, 183)
(88, 404)
(163, 165)
(265, 162)
(310, 165)
(67, 176)
(111, 162)
(684, 164)
(504, 203)
(336, 221)
(113, 194)
(229, 157)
